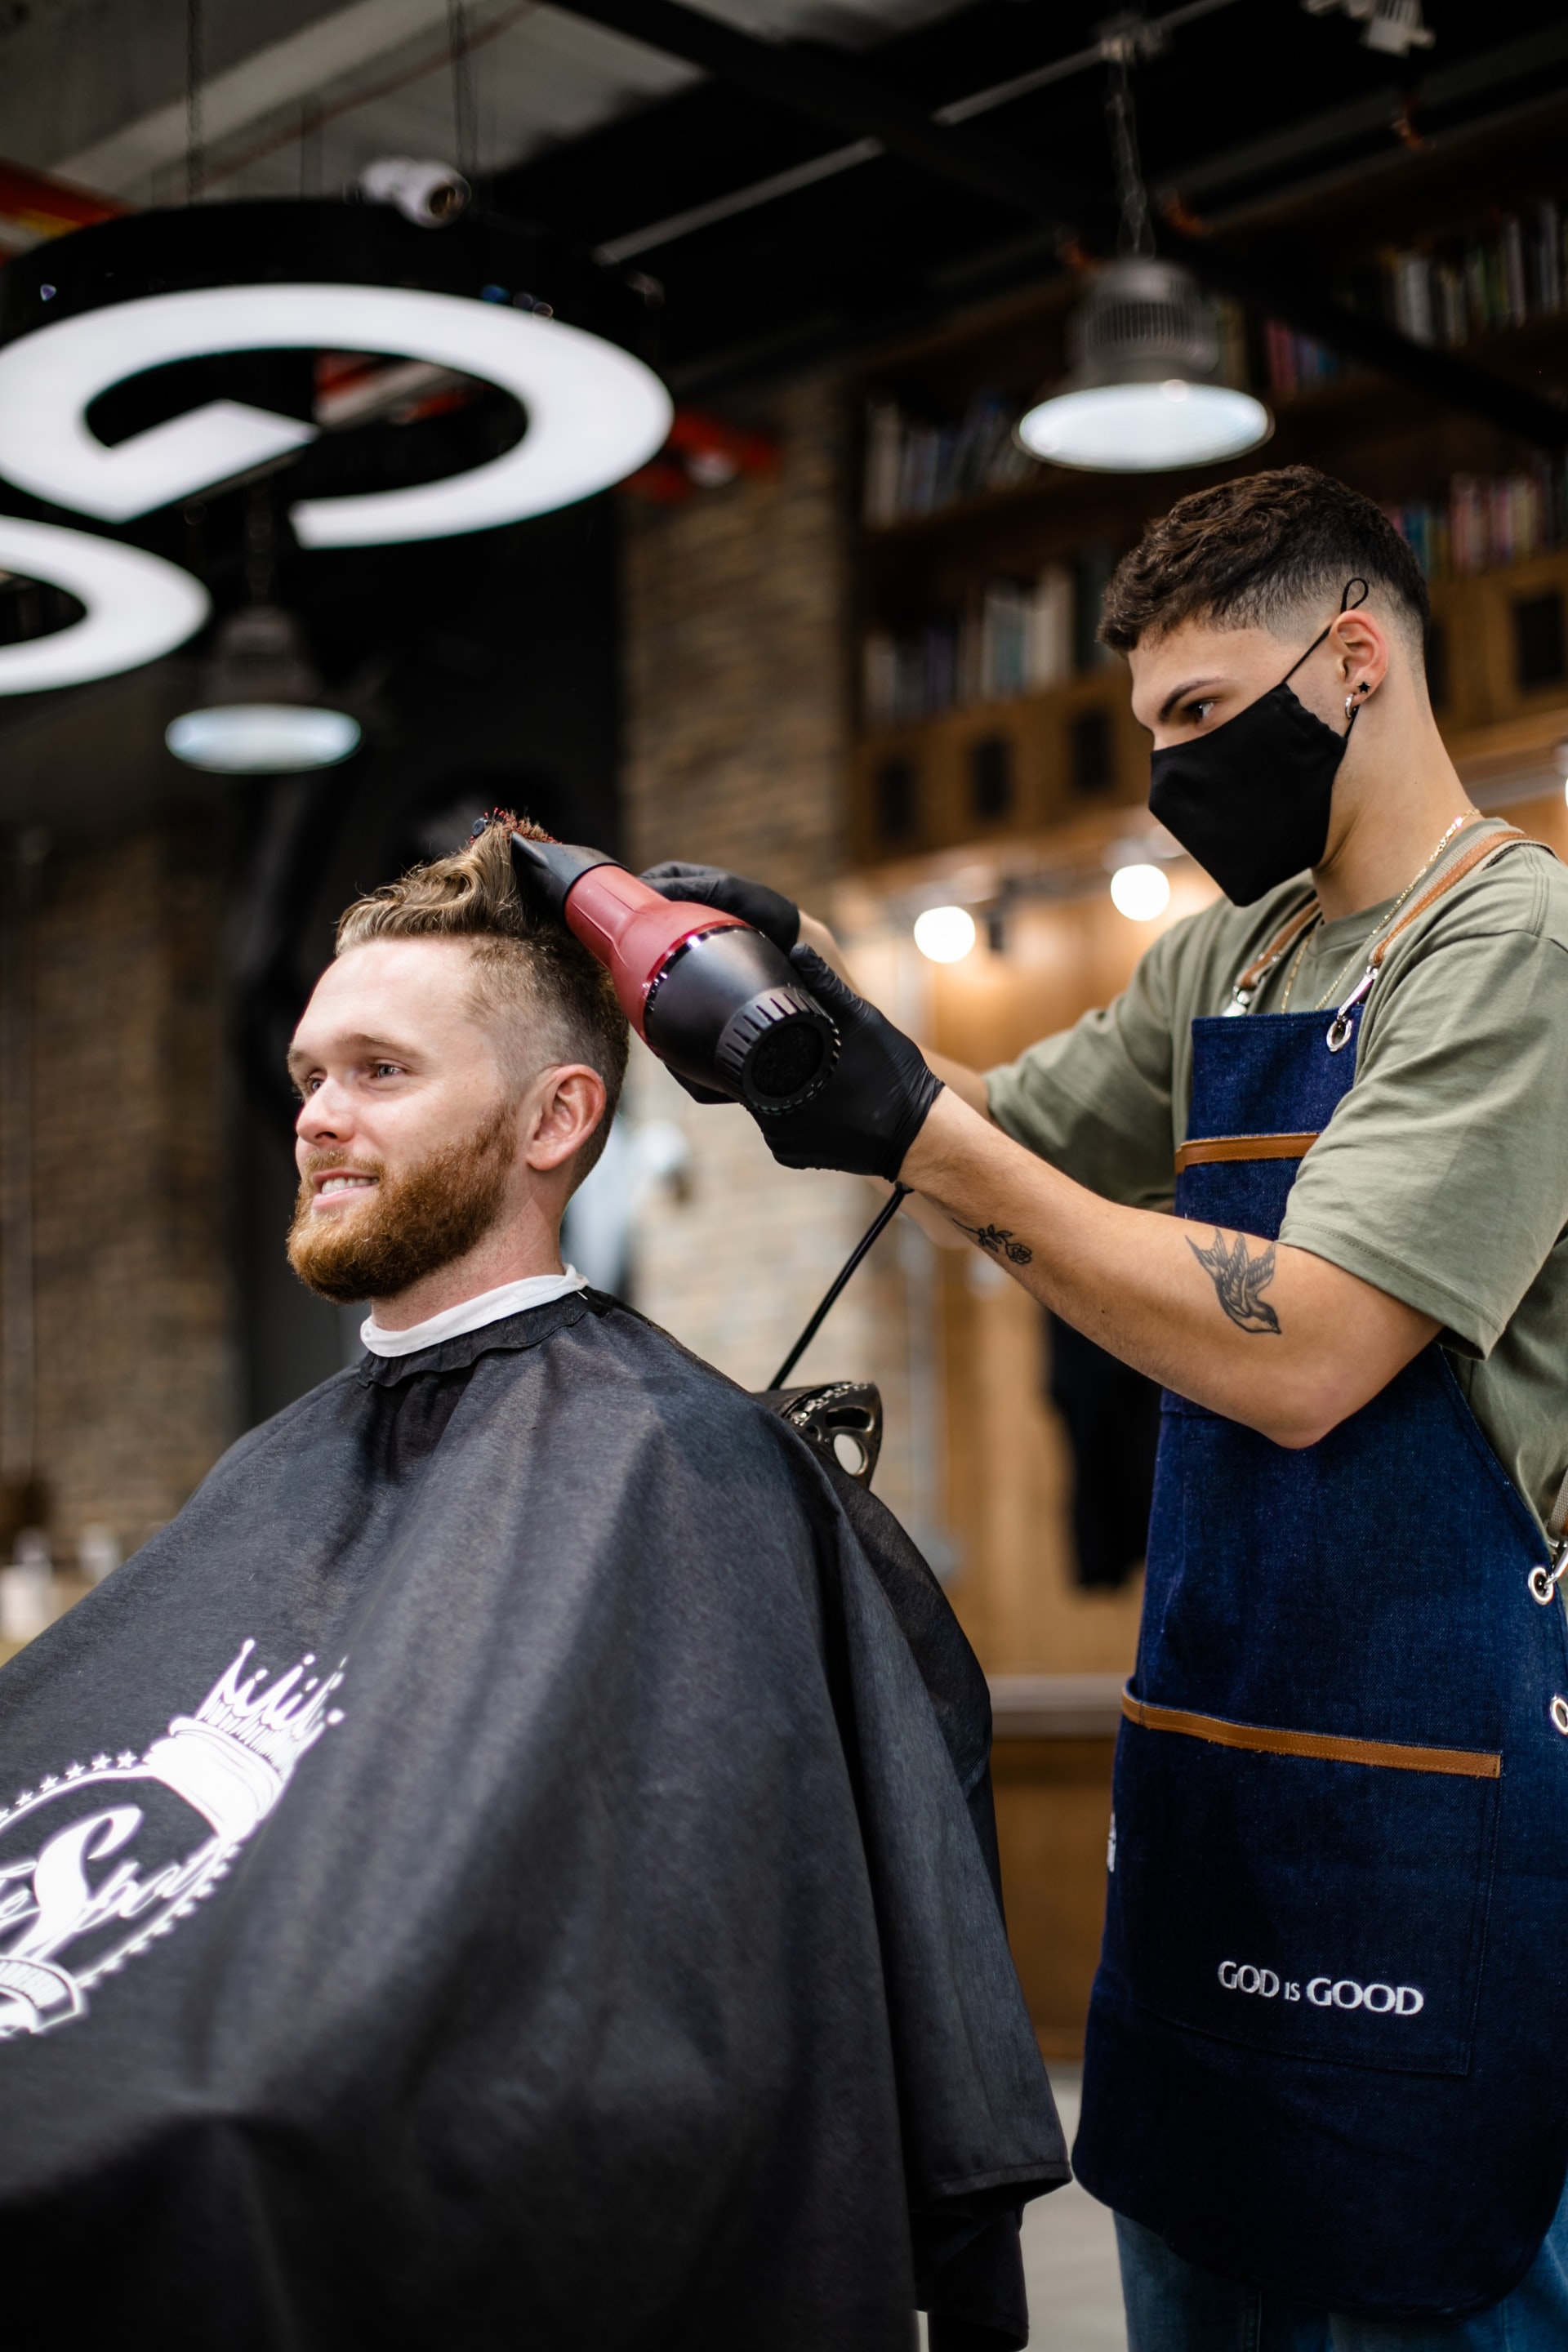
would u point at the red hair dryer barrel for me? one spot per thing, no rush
(714, 998)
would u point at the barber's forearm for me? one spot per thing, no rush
(966, 1083)
(1269, 1335)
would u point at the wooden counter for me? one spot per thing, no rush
(1054, 1736)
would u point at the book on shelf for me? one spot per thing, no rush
(1014, 637)
(1484, 522)
(914, 467)
(1296, 363)
(1510, 267)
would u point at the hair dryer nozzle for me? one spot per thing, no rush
(546, 870)
(727, 1009)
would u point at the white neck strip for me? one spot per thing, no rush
(471, 1314)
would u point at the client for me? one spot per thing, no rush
(501, 1866)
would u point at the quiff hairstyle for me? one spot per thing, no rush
(1271, 551)
(547, 997)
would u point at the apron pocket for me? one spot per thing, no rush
(1301, 1894)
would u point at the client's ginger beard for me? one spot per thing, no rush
(412, 1225)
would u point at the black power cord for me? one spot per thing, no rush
(878, 1225)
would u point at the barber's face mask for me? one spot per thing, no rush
(1250, 801)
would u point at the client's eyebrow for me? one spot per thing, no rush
(1177, 693)
(357, 1040)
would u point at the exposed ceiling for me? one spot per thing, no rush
(776, 231)
(99, 93)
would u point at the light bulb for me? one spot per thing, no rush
(1140, 892)
(261, 739)
(1141, 428)
(945, 934)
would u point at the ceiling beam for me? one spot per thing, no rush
(808, 82)
(823, 90)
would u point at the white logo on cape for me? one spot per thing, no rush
(228, 1763)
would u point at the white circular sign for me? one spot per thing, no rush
(594, 413)
(138, 606)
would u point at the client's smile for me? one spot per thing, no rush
(336, 1182)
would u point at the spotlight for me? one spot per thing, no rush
(1141, 893)
(945, 934)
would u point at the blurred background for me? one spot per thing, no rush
(928, 307)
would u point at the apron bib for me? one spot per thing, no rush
(1328, 2043)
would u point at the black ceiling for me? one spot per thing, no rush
(889, 243)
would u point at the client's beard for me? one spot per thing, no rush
(412, 1225)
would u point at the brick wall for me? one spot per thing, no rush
(134, 1344)
(737, 701)
(738, 720)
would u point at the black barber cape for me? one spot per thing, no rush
(493, 1872)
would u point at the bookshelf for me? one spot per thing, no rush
(1030, 763)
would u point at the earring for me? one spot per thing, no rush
(1350, 700)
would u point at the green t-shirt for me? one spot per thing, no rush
(1442, 1177)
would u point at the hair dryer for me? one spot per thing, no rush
(711, 996)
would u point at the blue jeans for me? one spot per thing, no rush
(1173, 2306)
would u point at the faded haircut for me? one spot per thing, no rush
(1272, 551)
(546, 997)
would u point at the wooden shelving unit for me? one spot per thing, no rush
(987, 772)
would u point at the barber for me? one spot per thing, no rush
(1326, 2077)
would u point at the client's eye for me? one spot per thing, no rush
(383, 1069)
(1198, 711)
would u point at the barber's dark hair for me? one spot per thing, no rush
(1270, 548)
(550, 1000)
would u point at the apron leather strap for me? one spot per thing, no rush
(1475, 853)
(1342, 1029)
(1242, 994)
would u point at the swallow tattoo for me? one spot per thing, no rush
(1240, 1281)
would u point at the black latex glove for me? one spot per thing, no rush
(875, 1104)
(768, 912)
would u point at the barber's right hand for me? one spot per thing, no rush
(768, 912)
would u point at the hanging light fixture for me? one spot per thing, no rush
(261, 712)
(155, 288)
(1143, 392)
(136, 606)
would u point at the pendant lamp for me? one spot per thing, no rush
(1143, 392)
(158, 290)
(261, 713)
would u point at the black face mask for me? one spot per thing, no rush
(1250, 801)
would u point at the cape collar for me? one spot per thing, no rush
(512, 1333)
(470, 1314)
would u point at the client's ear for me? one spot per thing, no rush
(561, 1109)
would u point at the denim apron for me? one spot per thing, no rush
(1328, 2043)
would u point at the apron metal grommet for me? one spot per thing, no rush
(1542, 1586)
(1558, 1711)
